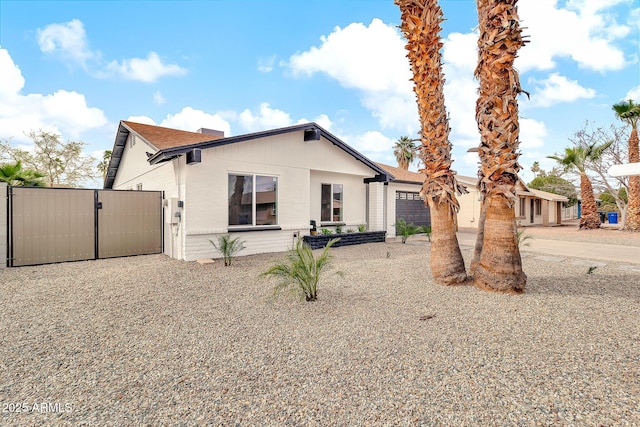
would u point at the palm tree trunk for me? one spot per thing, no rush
(590, 219)
(632, 222)
(447, 264)
(477, 250)
(421, 21)
(498, 266)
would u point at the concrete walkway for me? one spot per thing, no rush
(564, 248)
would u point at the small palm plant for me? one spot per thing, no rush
(228, 247)
(522, 238)
(302, 270)
(427, 230)
(407, 230)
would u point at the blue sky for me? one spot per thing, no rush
(78, 67)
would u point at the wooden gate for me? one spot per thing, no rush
(48, 225)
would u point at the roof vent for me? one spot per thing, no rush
(213, 132)
(312, 134)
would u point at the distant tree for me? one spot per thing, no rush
(576, 158)
(103, 166)
(60, 163)
(535, 169)
(556, 185)
(13, 174)
(608, 200)
(405, 151)
(614, 155)
(629, 112)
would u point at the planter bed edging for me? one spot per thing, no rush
(319, 241)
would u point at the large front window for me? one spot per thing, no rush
(331, 203)
(253, 200)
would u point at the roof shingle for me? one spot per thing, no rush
(163, 138)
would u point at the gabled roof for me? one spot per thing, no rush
(548, 196)
(409, 177)
(163, 138)
(172, 143)
(402, 175)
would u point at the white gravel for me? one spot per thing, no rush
(154, 341)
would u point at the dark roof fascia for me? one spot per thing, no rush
(172, 153)
(401, 181)
(116, 155)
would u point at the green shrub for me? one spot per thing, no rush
(350, 230)
(406, 230)
(427, 230)
(338, 229)
(228, 247)
(362, 228)
(325, 231)
(522, 237)
(301, 270)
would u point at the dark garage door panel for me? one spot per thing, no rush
(411, 208)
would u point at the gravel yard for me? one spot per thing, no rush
(154, 341)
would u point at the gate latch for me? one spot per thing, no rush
(99, 205)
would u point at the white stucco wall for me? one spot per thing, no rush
(376, 201)
(301, 168)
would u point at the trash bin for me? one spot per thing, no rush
(602, 217)
(613, 217)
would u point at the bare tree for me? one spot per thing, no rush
(60, 163)
(616, 154)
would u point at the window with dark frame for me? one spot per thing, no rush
(253, 200)
(331, 209)
(538, 205)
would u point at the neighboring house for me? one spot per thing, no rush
(265, 187)
(533, 207)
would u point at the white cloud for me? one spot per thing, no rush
(584, 31)
(633, 94)
(191, 120)
(158, 99)
(372, 144)
(367, 58)
(556, 89)
(370, 59)
(67, 40)
(62, 112)
(146, 120)
(265, 118)
(265, 65)
(322, 120)
(532, 133)
(12, 81)
(145, 70)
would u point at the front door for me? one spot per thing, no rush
(531, 210)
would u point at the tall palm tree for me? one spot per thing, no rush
(421, 21)
(405, 151)
(629, 112)
(497, 263)
(576, 159)
(103, 166)
(13, 174)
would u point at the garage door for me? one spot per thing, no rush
(411, 208)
